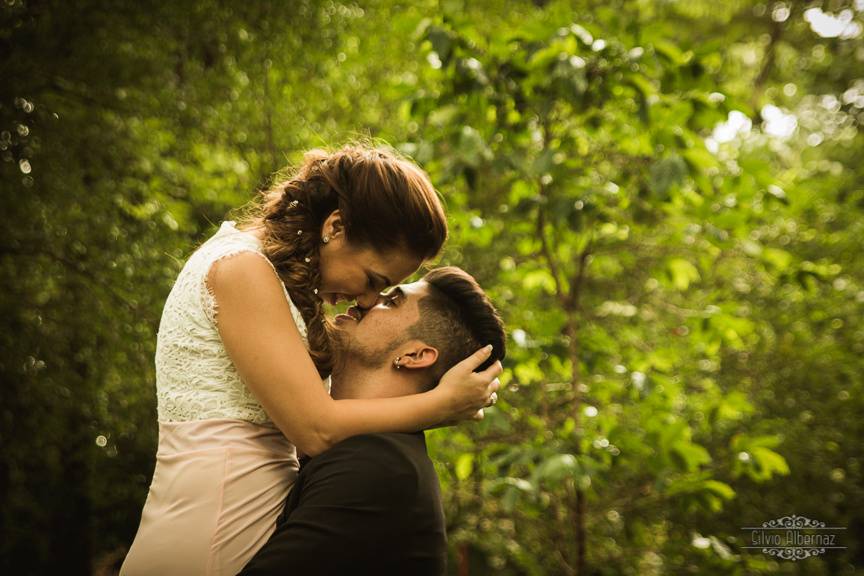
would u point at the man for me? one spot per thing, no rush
(371, 504)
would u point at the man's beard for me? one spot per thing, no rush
(349, 353)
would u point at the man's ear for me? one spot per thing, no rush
(418, 355)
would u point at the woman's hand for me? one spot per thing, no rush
(468, 392)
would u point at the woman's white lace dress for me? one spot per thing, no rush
(223, 470)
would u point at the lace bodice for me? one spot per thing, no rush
(195, 378)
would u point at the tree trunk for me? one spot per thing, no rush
(578, 511)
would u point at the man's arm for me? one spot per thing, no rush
(363, 504)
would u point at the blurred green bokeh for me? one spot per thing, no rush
(664, 198)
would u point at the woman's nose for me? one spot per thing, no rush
(367, 300)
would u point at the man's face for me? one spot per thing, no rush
(371, 338)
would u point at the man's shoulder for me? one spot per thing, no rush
(396, 463)
(406, 444)
(379, 448)
(376, 446)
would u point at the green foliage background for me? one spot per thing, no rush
(684, 309)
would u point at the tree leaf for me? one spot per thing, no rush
(464, 465)
(682, 273)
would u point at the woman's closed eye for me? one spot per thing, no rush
(376, 281)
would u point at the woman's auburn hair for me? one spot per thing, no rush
(386, 202)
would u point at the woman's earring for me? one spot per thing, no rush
(325, 239)
(396, 362)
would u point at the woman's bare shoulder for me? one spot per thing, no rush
(247, 282)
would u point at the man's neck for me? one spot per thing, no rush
(356, 382)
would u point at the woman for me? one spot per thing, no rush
(237, 387)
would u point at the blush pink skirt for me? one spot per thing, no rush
(217, 490)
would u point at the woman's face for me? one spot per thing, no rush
(350, 272)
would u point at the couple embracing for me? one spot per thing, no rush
(250, 371)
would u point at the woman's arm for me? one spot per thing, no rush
(263, 341)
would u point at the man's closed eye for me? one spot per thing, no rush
(393, 297)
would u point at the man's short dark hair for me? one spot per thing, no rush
(457, 318)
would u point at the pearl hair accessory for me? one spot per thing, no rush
(307, 259)
(293, 204)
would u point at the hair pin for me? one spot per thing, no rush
(293, 204)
